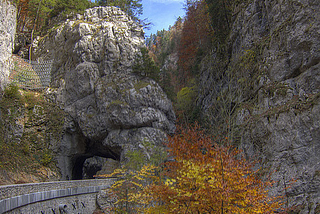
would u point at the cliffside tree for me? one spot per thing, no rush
(144, 66)
(132, 7)
(220, 14)
(35, 17)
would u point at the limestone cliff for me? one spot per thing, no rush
(272, 85)
(111, 110)
(7, 34)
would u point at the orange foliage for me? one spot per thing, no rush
(23, 10)
(209, 178)
(196, 35)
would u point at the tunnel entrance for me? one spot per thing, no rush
(88, 167)
(96, 166)
(96, 161)
(77, 168)
(91, 166)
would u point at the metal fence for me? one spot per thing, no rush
(31, 75)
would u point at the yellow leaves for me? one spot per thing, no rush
(118, 183)
(170, 182)
(132, 188)
(115, 173)
(204, 178)
(136, 184)
(206, 175)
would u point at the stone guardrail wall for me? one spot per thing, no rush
(52, 197)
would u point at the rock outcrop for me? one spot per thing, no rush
(275, 74)
(7, 34)
(111, 110)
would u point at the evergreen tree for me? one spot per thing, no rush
(65, 7)
(145, 66)
(220, 13)
(132, 7)
(37, 14)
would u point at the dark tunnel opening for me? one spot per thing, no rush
(91, 171)
(87, 165)
(77, 170)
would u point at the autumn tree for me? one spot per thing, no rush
(35, 17)
(141, 169)
(35, 14)
(195, 39)
(22, 14)
(209, 178)
(129, 188)
(202, 177)
(163, 47)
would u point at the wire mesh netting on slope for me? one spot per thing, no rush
(30, 75)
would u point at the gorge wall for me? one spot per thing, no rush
(7, 34)
(271, 85)
(110, 109)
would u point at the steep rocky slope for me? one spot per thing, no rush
(30, 126)
(272, 87)
(110, 109)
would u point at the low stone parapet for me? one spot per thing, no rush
(33, 198)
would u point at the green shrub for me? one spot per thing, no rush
(186, 104)
(145, 66)
(12, 92)
(46, 158)
(148, 153)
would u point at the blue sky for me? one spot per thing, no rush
(161, 13)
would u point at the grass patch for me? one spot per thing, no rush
(140, 84)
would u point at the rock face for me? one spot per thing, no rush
(275, 62)
(7, 33)
(111, 110)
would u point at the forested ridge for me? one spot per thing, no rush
(180, 50)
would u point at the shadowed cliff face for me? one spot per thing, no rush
(7, 32)
(273, 80)
(111, 110)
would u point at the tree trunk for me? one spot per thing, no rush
(34, 26)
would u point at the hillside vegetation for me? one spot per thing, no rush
(30, 127)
